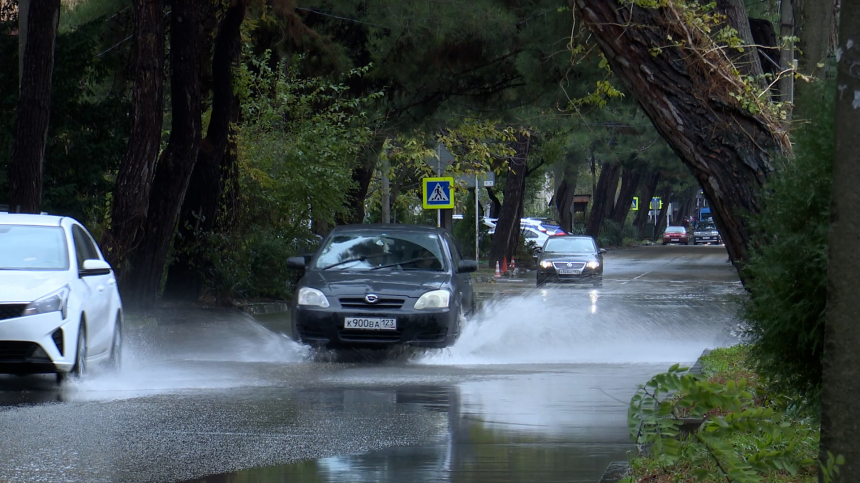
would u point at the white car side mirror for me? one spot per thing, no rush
(95, 267)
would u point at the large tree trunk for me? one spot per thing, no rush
(176, 163)
(496, 207)
(840, 423)
(764, 37)
(727, 148)
(747, 61)
(649, 187)
(507, 234)
(660, 225)
(34, 108)
(564, 193)
(134, 179)
(362, 175)
(815, 26)
(203, 199)
(603, 199)
(629, 184)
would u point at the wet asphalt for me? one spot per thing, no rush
(535, 390)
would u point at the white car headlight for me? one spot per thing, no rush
(593, 264)
(313, 297)
(54, 302)
(437, 299)
(546, 264)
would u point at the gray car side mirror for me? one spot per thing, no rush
(297, 263)
(467, 266)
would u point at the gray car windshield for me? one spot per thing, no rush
(387, 251)
(570, 245)
(24, 247)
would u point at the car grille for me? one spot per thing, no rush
(571, 265)
(381, 304)
(8, 311)
(370, 336)
(16, 351)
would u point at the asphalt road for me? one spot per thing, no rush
(535, 390)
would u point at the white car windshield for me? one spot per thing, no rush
(570, 245)
(24, 247)
(393, 251)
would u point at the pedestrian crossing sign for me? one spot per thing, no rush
(438, 194)
(635, 205)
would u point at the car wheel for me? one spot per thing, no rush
(541, 281)
(80, 367)
(115, 362)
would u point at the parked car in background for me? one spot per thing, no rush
(706, 232)
(532, 234)
(570, 259)
(543, 225)
(381, 285)
(60, 309)
(675, 234)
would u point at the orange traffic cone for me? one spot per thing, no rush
(498, 273)
(505, 265)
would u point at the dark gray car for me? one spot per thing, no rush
(379, 285)
(570, 259)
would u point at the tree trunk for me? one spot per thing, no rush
(764, 37)
(604, 198)
(565, 192)
(174, 168)
(629, 184)
(747, 62)
(727, 148)
(660, 225)
(815, 26)
(203, 199)
(34, 108)
(496, 207)
(134, 179)
(786, 55)
(840, 423)
(507, 232)
(23, 9)
(362, 175)
(649, 187)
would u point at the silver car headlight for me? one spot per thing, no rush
(593, 264)
(312, 297)
(437, 299)
(546, 264)
(54, 302)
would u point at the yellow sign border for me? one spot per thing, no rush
(425, 182)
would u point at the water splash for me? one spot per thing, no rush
(582, 326)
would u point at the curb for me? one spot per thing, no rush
(615, 471)
(619, 469)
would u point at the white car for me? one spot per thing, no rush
(60, 309)
(532, 234)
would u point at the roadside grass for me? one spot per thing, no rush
(799, 438)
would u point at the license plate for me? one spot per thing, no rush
(569, 271)
(675, 239)
(367, 323)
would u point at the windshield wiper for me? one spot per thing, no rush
(407, 262)
(356, 259)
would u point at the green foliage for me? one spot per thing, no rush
(87, 132)
(737, 440)
(613, 235)
(299, 139)
(787, 272)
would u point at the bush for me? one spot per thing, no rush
(613, 235)
(787, 271)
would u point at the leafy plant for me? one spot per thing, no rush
(787, 270)
(661, 406)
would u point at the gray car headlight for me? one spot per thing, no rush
(437, 299)
(546, 264)
(593, 264)
(54, 302)
(312, 297)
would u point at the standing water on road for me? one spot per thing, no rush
(582, 326)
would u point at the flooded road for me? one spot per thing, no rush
(536, 389)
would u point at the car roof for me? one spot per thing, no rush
(386, 227)
(28, 219)
(586, 237)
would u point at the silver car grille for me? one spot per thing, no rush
(566, 265)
